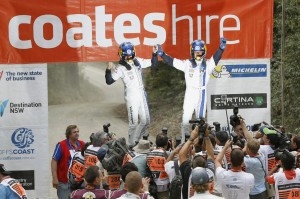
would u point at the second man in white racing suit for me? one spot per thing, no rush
(197, 71)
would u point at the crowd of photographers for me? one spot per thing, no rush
(258, 164)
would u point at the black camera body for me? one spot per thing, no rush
(106, 130)
(235, 119)
(164, 130)
(200, 122)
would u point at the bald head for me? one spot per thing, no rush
(133, 182)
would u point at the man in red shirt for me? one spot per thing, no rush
(61, 160)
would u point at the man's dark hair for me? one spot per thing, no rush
(296, 140)
(274, 140)
(91, 174)
(161, 140)
(222, 136)
(127, 168)
(69, 130)
(199, 161)
(237, 157)
(287, 160)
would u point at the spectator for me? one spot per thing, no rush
(287, 183)
(200, 183)
(271, 142)
(156, 160)
(135, 184)
(92, 177)
(255, 164)
(187, 165)
(140, 158)
(169, 166)
(9, 187)
(90, 154)
(234, 180)
(61, 160)
(126, 168)
(221, 139)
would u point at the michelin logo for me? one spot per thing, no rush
(2, 107)
(234, 71)
(22, 138)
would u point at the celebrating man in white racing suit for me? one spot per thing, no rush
(129, 70)
(197, 71)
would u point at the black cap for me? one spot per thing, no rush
(3, 171)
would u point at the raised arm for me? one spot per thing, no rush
(219, 158)
(183, 153)
(108, 77)
(218, 54)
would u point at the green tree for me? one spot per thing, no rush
(291, 65)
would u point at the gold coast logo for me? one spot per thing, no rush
(2, 106)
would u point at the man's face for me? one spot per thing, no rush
(74, 134)
(198, 54)
(239, 130)
(128, 58)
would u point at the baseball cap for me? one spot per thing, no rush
(199, 176)
(267, 131)
(3, 170)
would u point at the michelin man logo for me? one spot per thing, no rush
(128, 52)
(220, 72)
(22, 137)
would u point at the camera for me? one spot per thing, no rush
(216, 128)
(164, 130)
(201, 126)
(106, 130)
(235, 119)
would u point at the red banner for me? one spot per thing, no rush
(91, 30)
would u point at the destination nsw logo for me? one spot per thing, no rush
(2, 106)
(253, 100)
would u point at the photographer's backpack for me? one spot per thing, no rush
(176, 183)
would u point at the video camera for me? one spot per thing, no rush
(284, 141)
(202, 126)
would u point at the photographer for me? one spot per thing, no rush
(187, 165)
(237, 135)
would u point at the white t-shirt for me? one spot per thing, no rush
(170, 170)
(205, 195)
(235, 185)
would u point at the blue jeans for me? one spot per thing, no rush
(63, 191)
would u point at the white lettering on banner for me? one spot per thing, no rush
(38, 27)
(87, 39)
(14, 34)
(120, 29)
(207, 27)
